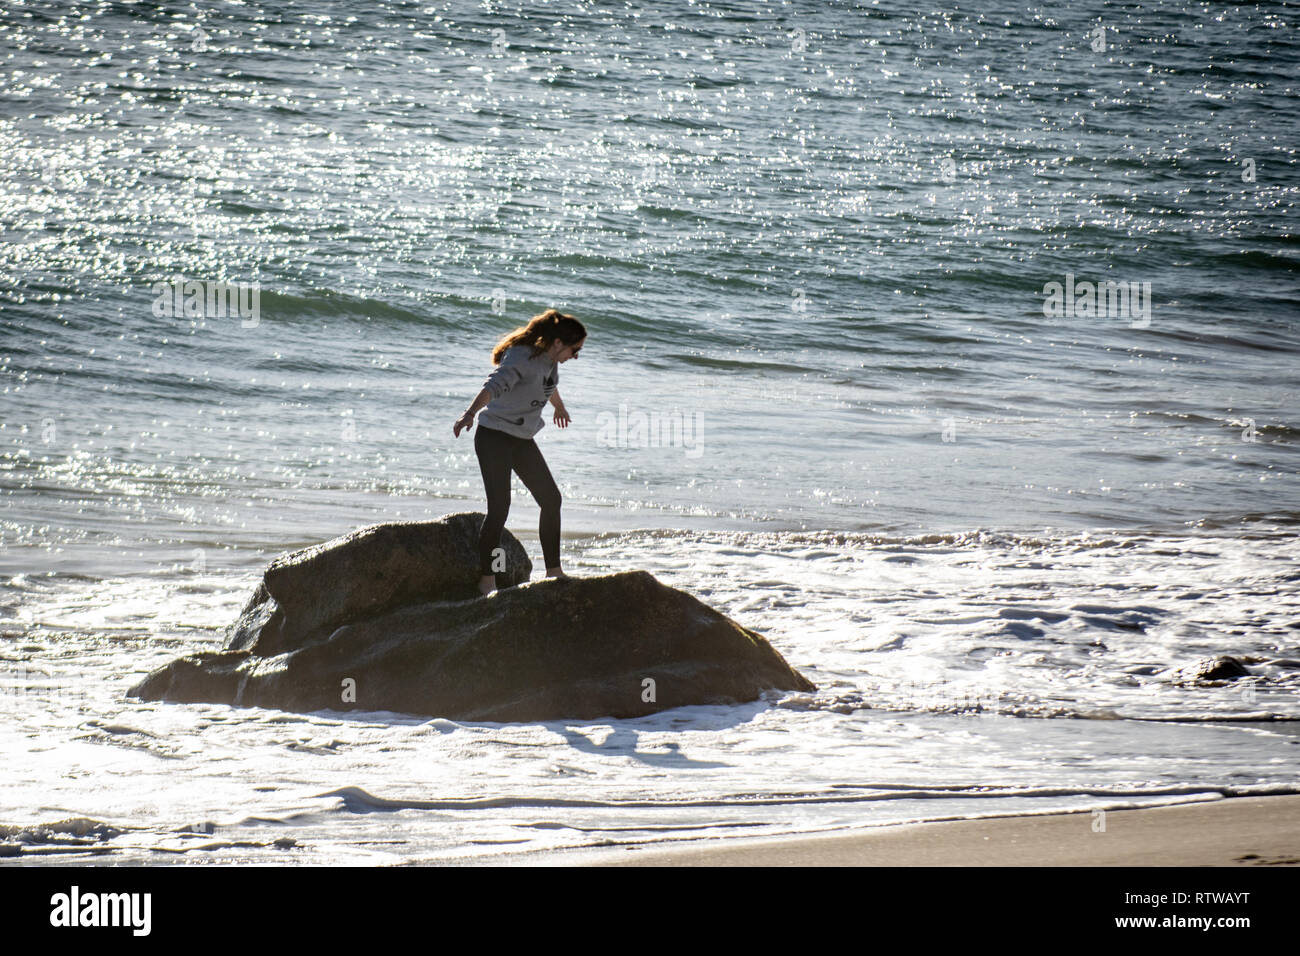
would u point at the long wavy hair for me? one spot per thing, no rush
(541, 331)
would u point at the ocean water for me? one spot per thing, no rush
(843, 382)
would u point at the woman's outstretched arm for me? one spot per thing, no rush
(466, 420)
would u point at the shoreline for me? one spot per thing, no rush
(1232, 831)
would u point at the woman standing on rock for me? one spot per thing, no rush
(528, 371)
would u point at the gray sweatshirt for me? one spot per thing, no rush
(520, 387)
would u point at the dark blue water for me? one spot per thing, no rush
(821, 232)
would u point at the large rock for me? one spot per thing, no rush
(617, 645)
(306, 595)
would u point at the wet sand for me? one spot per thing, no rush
(1239, 831)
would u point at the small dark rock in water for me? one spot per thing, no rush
(307, 594)
(616, 645)
(1209, 671)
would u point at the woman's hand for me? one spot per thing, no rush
(465, 421)
(561, 417)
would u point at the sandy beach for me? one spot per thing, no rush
(1245, 831)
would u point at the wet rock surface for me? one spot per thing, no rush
(379, 620)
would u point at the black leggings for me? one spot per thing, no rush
(499, 453)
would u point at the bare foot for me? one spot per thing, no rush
(487, 584)
(555, 573)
